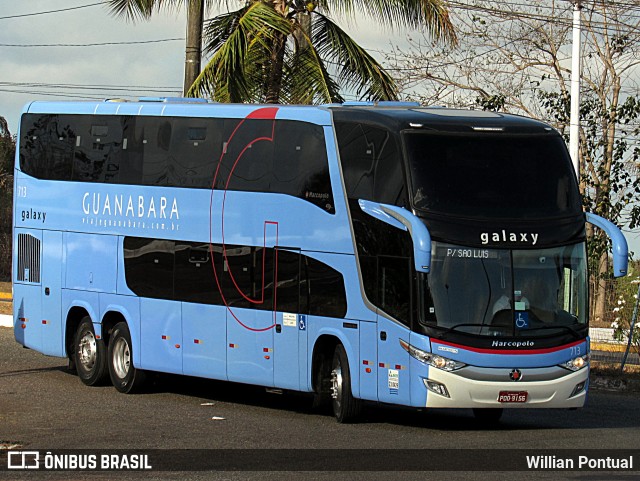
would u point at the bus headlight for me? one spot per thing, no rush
(433, 360)
(576, 363)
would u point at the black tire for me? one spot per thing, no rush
(124, 376)
(488, 416)
(346, 408)
(90, 354)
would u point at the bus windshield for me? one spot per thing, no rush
(507, 176)
(501, 292)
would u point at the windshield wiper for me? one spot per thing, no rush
(573, 332)
(453, 328)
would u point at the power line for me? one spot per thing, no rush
(139, 42)
(84, 86)
(51, 11)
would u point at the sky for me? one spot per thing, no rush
(51, 71)
(134, 70)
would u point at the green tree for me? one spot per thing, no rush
(7, 154)
(514, 57)
(290, 51)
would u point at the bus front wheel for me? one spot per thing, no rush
(89, 357)
(125, 378)
(345, 407)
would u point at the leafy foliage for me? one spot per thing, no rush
(292, 52)
(7, 154)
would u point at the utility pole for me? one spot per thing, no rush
(574, 122)
(193, 52)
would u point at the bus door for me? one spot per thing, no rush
(290, 325)
(394, 298)
(27, 287)
(247, 282)
(51, 292)
(151, 274)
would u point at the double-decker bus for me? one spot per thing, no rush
(384, 252)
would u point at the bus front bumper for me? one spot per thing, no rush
(569, 391)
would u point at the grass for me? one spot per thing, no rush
(631, 372)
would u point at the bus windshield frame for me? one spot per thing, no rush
(507, 292)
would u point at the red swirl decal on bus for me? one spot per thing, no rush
(266, 113)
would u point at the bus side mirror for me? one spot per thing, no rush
(620, 250)
(403, 219)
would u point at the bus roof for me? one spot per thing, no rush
(414, 116)
(394, 115)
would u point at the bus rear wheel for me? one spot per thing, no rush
(346, 408)
(89, 357)
(124, 376)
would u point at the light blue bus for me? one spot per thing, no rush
(382, 252)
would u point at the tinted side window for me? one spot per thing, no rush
(282, 156)
(385, 257)
(394, 287)
(196, 146)
(183, 271)
(371, 163)
(301, 167)
(287, 274)
(246, 277)
(194, 278)
(357, 159)
(149, 266)
(47, 144)
(324, 289)
(250, 155)
(100, 145)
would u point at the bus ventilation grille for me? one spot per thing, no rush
(28, 258)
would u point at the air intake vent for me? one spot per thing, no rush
(28, 258)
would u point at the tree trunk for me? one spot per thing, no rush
(274, 78)
(601, 287)
(193, 51)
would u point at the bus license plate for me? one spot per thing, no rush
(513, 396)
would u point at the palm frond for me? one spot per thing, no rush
(235, 38)
(131, 9)
(357, 70)
(432, 15)
(306, 78)
(134, 10)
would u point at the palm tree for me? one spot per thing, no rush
(290, 51)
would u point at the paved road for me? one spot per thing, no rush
(44, 407)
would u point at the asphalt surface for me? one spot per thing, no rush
(44, 407)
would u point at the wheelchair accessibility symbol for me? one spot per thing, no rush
(302, 323)
(522, 320)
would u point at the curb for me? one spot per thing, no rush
(6, 320)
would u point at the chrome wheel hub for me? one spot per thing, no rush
(121, 358)
(87, 351)
(336, 383)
